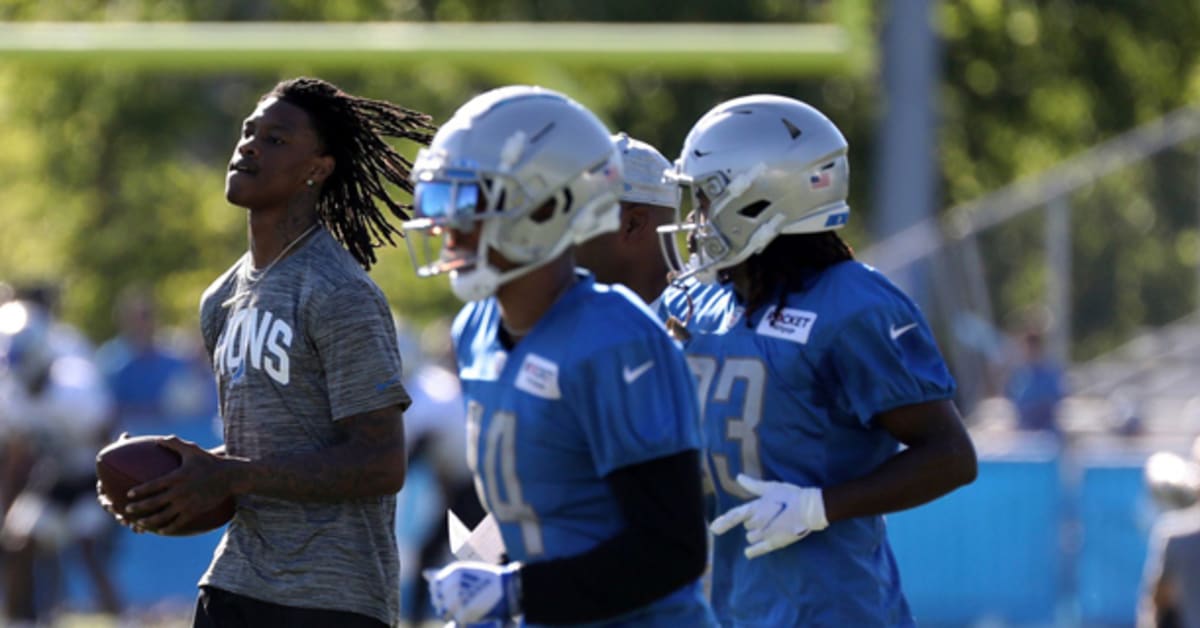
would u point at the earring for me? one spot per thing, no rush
(310, 183)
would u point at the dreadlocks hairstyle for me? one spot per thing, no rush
(780, 269)
(352, 130)
(787, 262)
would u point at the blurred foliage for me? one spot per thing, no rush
(113, 174)
(117, 172)
(1028, 84)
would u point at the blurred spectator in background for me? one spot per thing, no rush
(54, 415)
(46, 295)
(152, 385)
(1171, 582)
(191, 397)
(435, 426)
(1035, 385)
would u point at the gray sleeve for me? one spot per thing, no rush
(209, 323)
(356, 339)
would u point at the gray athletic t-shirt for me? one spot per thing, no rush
(295, 349)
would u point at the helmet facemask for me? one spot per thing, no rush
(710, 250)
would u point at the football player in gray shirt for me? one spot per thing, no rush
(305, 355)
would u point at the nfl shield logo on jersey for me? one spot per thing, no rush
(539, 377)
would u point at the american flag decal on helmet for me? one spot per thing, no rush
(822, 178)
(819, 180)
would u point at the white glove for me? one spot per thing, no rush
(467, 592)
(783, 514)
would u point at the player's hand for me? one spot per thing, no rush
(469, 592)
(783, 514)
(108, 506)
(199, 484)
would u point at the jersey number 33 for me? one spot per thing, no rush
(715, 383)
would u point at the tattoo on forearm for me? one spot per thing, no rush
(363, 465)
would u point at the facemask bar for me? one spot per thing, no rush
(707, 246)
(670, 250)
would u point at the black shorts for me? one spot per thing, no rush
(217, 608)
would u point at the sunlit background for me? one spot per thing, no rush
(1023, 168)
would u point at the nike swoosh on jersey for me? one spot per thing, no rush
(896, 332)
(631, 374)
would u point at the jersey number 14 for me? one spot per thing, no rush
(499, 470)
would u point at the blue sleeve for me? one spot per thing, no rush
(458, 331)
(673, 302)
(468, 333)
(636, 400)
(885, 358)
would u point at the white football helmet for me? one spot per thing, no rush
(503, 156)
(765, 165)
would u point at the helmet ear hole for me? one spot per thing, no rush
(544, 213)
(754, 209)
(561, 203)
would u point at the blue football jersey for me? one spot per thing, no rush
(791, 397)
(595, 386)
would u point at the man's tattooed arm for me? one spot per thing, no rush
(368, 461)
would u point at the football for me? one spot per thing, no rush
(126, 463)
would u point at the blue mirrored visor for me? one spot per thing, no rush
(451, 200)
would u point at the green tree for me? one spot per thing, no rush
(113, 173)
(1028, 84)
(119, 168)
